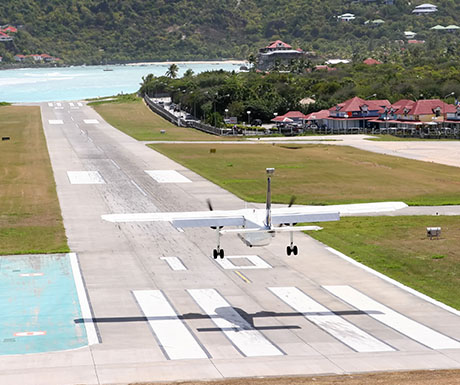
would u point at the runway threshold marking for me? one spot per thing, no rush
(55, 121)
(249, 341)
(243, 277)
(174, 338)
(393, 319)
(50, 104)
(331, 323)
(174, 263)
(91, 121)
(167, 176)
(85, 177)
(139, 188)
(79, 104)
(31, 275)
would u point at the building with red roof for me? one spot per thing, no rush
(370, 62)
(277, 52)
(10, 29)
(291, 116)
(5, 37)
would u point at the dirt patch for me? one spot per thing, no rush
(436, 377)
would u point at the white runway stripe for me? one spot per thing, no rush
(55, 121)
(71, 104)
(255, 262)
(249, 341)
(79, 104)
(333, 324)
(85, 177)
(393, 319)
(91, 121)
(174, 263)
(167, 176)
(173, 336)
(50, 104)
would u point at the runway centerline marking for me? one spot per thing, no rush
(174, 263)
(393, 319)
(55, 121)
(167, 176)
(115, 164)
(242, 276)
(249, 341)
(174, 338)
(331, 323)
(85, 177)
(255, 260)
(139, 188)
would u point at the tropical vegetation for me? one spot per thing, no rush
(101, 31)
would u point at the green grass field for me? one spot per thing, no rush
(30, 216)
(399, 248)
(392, 138)
(319, 174)
(137, 120)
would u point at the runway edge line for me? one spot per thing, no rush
(86, 313)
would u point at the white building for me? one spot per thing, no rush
(346, 17)
(424, 9)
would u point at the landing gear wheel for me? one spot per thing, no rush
(214, 254)
(221, 253)
(288, 250)
(295, 250)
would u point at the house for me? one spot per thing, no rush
(424, 9)
(337, 61)
(19, 58)
(10, 29)
(369, 61)
(420, 111)
(324, 67)
(1, 59)
(277, 52)
(452, 28)
(346, 17)
(290, 117)
(317, 118)
(374, 23)
(409, 34)
(5, 37)
(415, 41)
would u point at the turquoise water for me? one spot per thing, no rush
(45, 303)
(76, 83)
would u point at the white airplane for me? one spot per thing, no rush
(256, 227)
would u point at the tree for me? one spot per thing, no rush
(188, 73)
(172, 71)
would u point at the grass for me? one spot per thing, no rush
(30, 216)
(319, 174)
(399, 248)
(134, 118)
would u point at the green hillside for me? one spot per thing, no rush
(100, 31)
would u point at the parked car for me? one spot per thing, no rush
(257, 122)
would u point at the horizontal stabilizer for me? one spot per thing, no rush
(272, 230)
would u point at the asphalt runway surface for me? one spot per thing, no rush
(165, 310)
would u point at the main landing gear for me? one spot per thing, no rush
(292, 249)
(218, 252)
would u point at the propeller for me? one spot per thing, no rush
(208, 201)
(291, 202)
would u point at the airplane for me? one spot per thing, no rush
(256, 227)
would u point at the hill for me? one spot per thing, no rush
(100, 31)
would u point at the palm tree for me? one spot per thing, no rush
(188, 73)
(172, 71)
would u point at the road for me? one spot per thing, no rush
(164, 310)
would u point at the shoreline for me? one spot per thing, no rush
(230, 61)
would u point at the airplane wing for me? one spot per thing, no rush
(296, 214)
(216, 218)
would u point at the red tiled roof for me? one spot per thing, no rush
(295, 114)
(20, 56)
(412, 41)
(318, 115)
(10, 28)
(3, 34)
(278, 43)
(370, 61)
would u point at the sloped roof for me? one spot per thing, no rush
(420, 107)
(438, 27)
(318, 115)
(295, 114)
(369, 61)
(452, 26)
(277, 44)
(355, 104)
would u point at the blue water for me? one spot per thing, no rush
(76, 83)
(47, 303)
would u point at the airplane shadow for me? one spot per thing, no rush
(238, 318)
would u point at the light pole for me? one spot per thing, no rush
(249, 117)
(371, 96)
(449, 94)
(276, 114)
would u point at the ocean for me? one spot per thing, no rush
(76, 83)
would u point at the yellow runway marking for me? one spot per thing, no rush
(243, 277)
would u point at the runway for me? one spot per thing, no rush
(165, 310)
